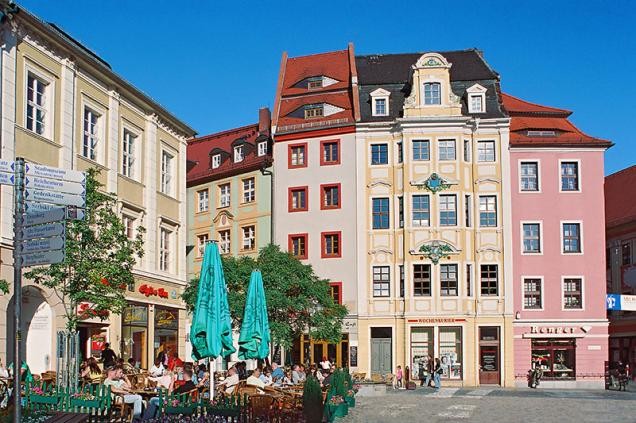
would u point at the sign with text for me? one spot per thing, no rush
(54, 185)
(42, 244)
(54, 173)
(53, 197)
(7, 166)
(6, 178)
(619, 302)
(43, 231)
(40, 217)
(42, 258)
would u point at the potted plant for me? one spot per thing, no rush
(37, 395)
(337, 407)
(85, 400)
(312, 401)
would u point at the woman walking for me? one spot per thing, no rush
(437, 373)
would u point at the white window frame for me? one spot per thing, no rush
(167, 171)
(496, 211)
(388, 290)
(239, 153)
(128, 217)
(439, 210)
(216, 161)
(539, 178)
(582, 278)
(579, 176)
(225, 198)
(165, 243)
(476, 91)
(225, 243)
(427, 142)
(580, 223)
(467, 151)
(441, 93)
(419, 225)
(250, 240)
(48, 105)
(201, 245)
(203, 205)
(380, 94)
(480, 158)
(523, 293)
(531, 222)
(130, 157)
(250, 192)
(439, 149)
(262, 148)
(91, 141)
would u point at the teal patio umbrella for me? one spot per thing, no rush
(255, 338)
(211, 330)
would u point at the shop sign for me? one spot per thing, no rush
(437, 320)
(97, 342)
(136, 315)
(166, 319)
(353, 355)
(350, 326)
(551, 330)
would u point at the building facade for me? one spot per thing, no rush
(314, 186)
(558, 241)
(433, 170)
(229, 191)
(63, 106)
(620, 233)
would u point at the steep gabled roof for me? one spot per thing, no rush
(553, 129)
(620, 197)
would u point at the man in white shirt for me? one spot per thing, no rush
(157, 369)
(230, 381)
(255, 380)
(325, 364)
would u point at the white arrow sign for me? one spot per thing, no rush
(54, 185)
(31, 207)
(54, 197)
(41, 258)
(6, 178)
(7, 166)
(55, 173)
(74, 213)
(38, 217)
(43, 244)
(43, 231)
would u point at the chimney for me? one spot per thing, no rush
(264, 121)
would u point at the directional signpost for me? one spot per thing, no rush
(44, 198)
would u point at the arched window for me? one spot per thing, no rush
(432, 93)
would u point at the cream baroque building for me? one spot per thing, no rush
(432, 162)
(63, 106)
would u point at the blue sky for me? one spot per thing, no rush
(214, 63)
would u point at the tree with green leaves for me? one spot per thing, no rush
(97, 269)
(298, 301)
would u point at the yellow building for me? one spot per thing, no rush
(63, 106)
(432, 161)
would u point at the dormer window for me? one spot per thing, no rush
(476, 99)
(216, 161)
(314, 83)
(380, 102)
(432, 93)
(314, 111)
(262, 148)
(238, 154)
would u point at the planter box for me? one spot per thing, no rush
(351, 401)
(339, 410)
(185, 410)
(43, 399)
(76, 402)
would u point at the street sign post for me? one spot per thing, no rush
(42, 258)
(54, 173)
(42, 231)
(42, 244)
(7, 166)
(55, 185)
(40, 217)
(7, 178)
(60, 198)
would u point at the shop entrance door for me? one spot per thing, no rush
(489, 370)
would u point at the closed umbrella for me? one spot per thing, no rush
(255, 338)
(211, 331)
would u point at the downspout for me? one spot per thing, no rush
(473, 280)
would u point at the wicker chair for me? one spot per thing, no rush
(261, 407)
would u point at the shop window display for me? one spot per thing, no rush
(557, 358)
(421, 347)
(450, 352)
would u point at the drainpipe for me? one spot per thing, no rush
(473, 280)
(267, 172)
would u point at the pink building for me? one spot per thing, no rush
(558, 243)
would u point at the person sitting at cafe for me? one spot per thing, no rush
(187, 385)
(190, 366)
(230, 381)
(118, 386)
(254, 379)
(277, 372)
(157, 369)
(130, 367)
(301, 373)
(4, 373)
(92, 373)
(327, 380)
(266, 376)
(174, 362)
(203, 377)
(296, 374)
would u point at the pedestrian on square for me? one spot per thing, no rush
(437, 373)
(398, 377)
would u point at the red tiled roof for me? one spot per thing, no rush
(620, 197)
(336, 65)
(198, 153)
(526, 116)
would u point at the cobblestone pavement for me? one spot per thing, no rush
(494, 405)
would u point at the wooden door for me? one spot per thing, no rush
(381, 355)
(489, 373)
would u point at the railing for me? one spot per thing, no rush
(308, 125)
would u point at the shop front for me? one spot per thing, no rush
(570, 355)
(309, 351)
(134, 334)
(166, 329)
(443, 342)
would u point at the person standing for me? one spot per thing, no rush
(108, 356)
(429, 366)
(437, 373)
(398, 377)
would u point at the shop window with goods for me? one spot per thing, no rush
(166, 329)
(557, 357)
(134, 333)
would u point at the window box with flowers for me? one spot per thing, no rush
(37, 395)
(85, 400)
(337, 407)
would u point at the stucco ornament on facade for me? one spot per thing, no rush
(436, 250)
(433, 183)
